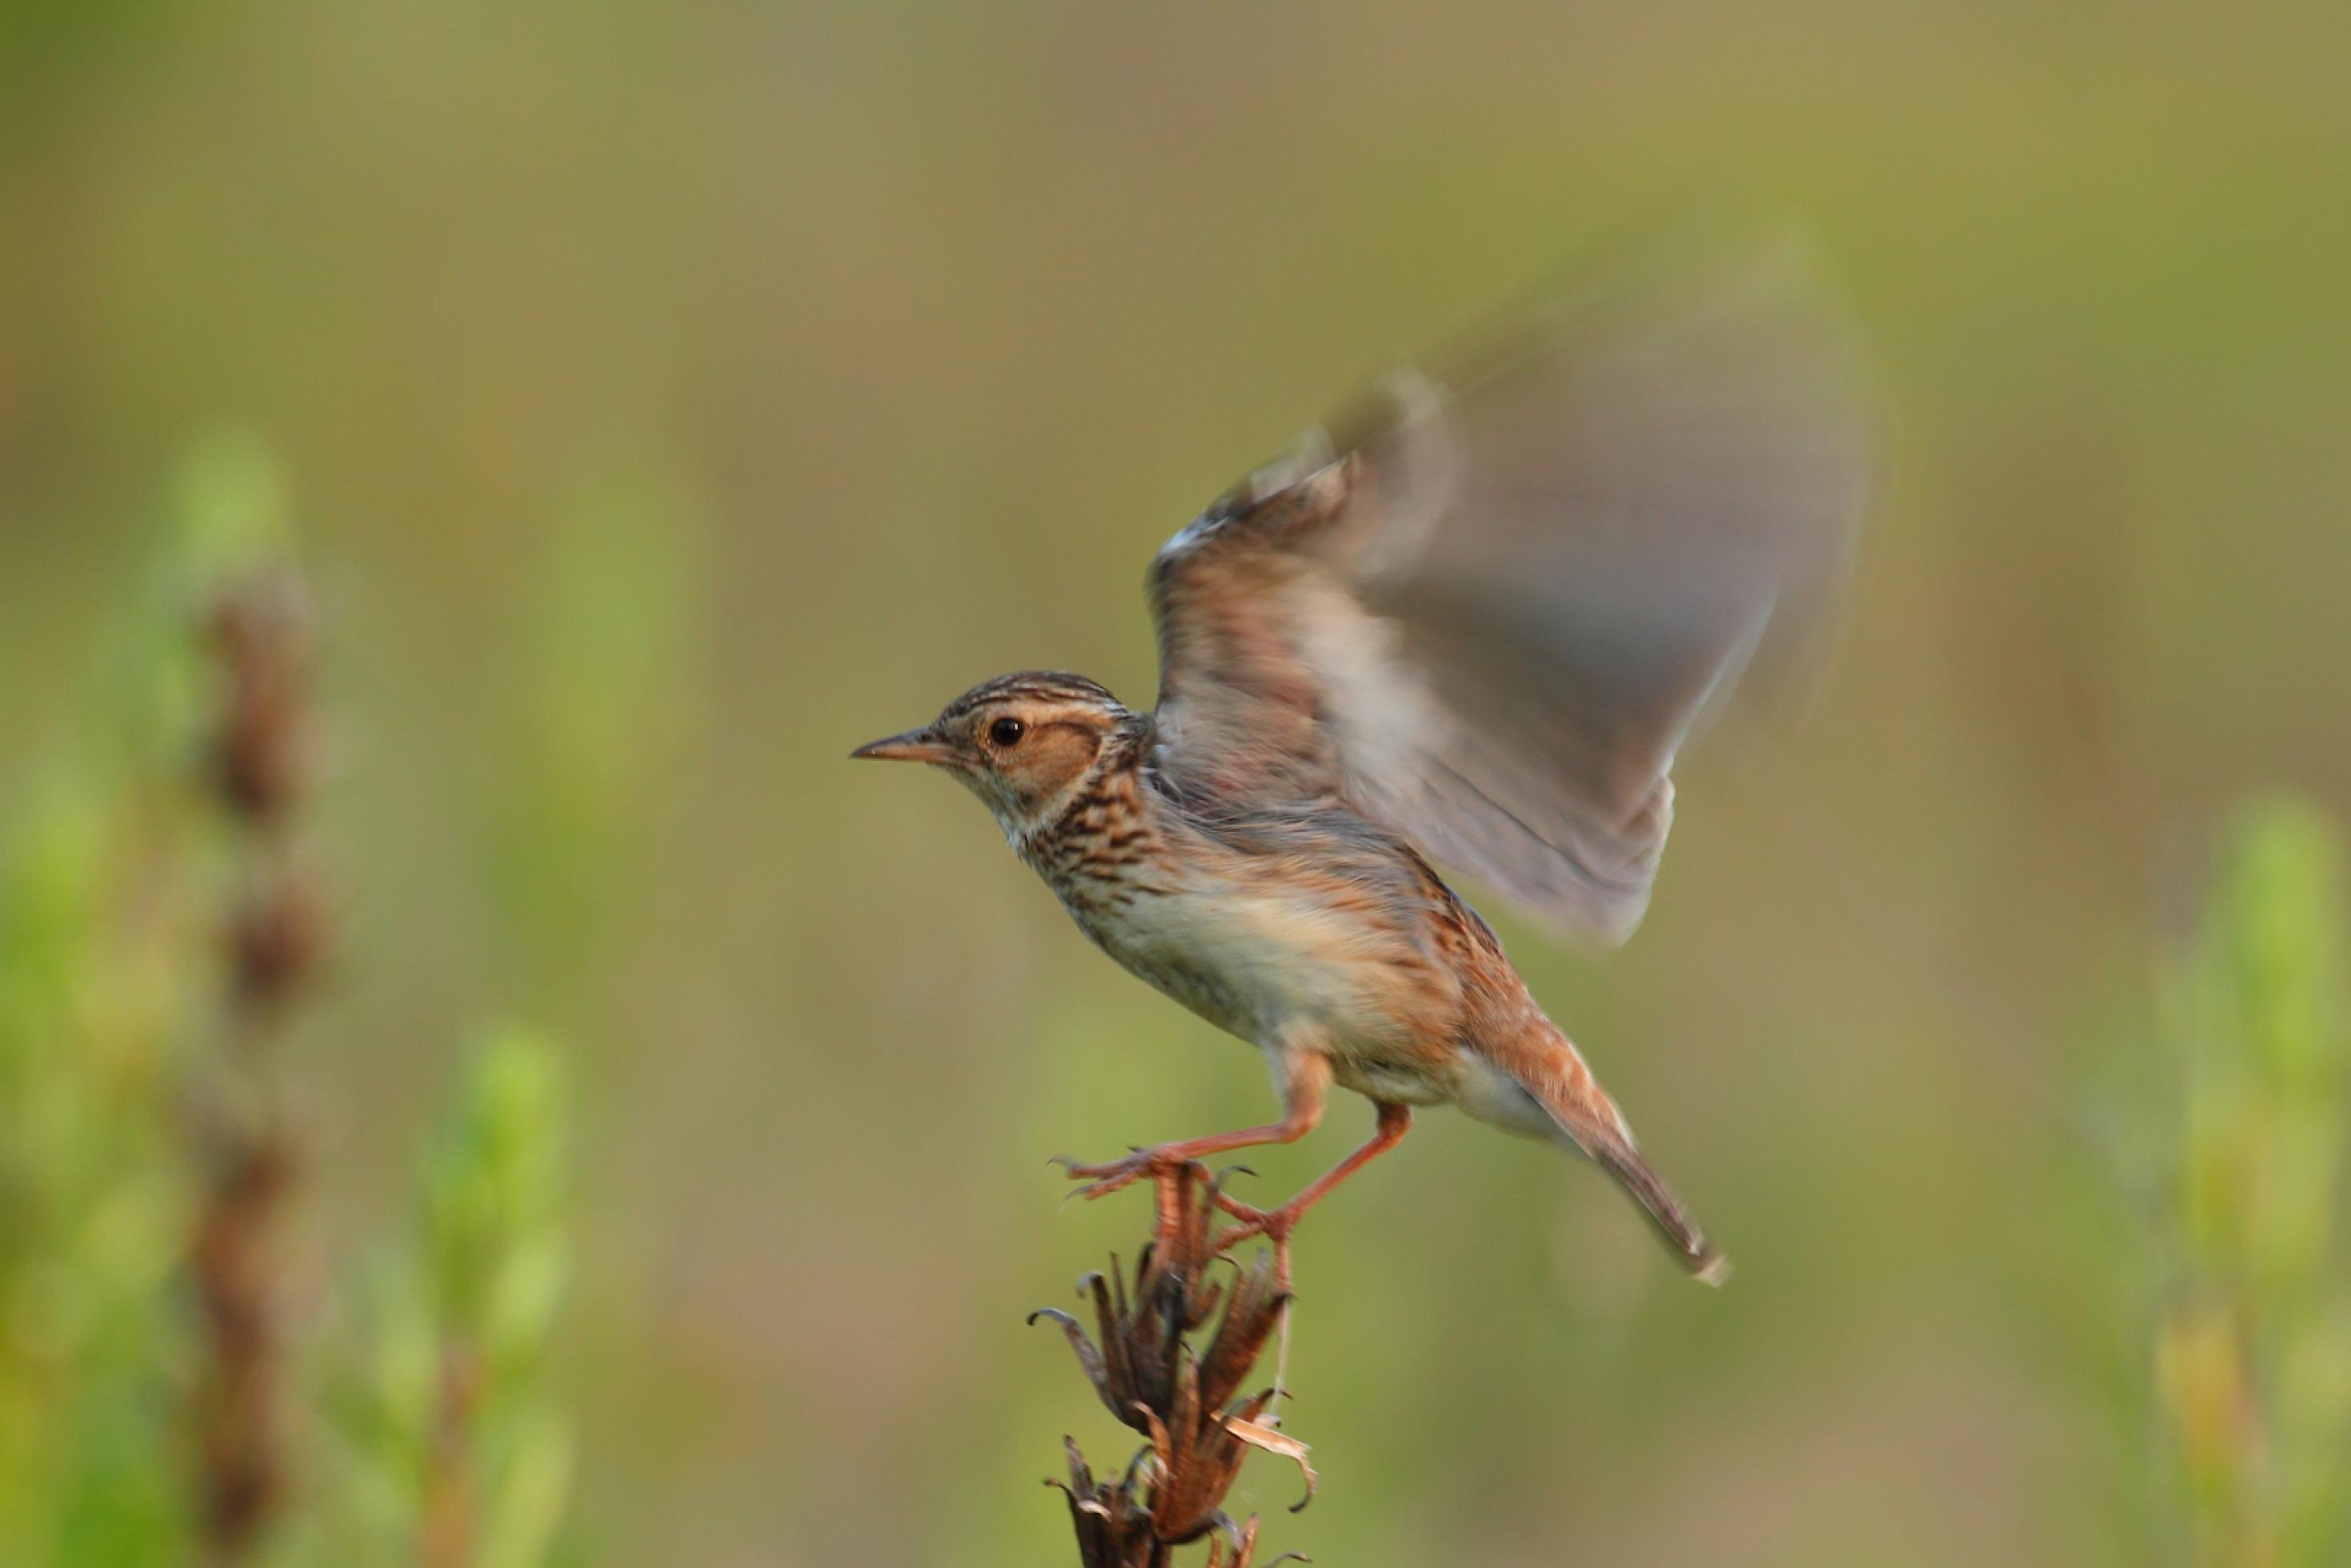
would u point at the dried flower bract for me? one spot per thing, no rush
(1188, 1403)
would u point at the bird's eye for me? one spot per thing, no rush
(1007, 731)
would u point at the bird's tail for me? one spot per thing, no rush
(1549, 1068)
(1665, 1215)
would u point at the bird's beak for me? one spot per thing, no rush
(913, 746)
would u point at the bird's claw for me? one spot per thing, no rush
(1102, 1181)
(1245, 1212)
(1274, 1224)
(1071, 1167)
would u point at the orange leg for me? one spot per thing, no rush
(1276, 1224)
(1305, 1083)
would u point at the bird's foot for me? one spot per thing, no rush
(1275, 1225)
(1160, 1163)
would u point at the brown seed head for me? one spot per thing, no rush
(1187, 1402)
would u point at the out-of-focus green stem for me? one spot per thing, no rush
(2254, 1347)
(460, 1456)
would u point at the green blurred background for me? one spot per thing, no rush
(671, 396)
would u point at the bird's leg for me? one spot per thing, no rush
(1165, 1158)
(1305, 1079)
(1276, 1224)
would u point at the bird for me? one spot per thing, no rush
(1469, 622)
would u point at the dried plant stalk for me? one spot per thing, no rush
(258, 634)
(1187, 1402)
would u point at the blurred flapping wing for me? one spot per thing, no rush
(1488, 607)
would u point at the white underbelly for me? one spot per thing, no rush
(1257, 966)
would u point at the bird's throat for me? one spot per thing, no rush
(1103, 845)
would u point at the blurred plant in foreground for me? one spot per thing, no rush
(157, 1403)
(113, 964)
(455, 1453)
(258, 626)
(2254, 1346)
(1187, 1403)
(102, 956)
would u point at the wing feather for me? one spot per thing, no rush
(1489, 607)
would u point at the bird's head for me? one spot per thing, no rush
(1024, 744)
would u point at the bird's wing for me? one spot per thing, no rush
(1488, 607)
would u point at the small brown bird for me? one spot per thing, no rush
(1471, 623)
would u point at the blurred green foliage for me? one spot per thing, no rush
(106, 969)
(93, 1209)
(114, 986)
(2254, 1348)
(451, 1446)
